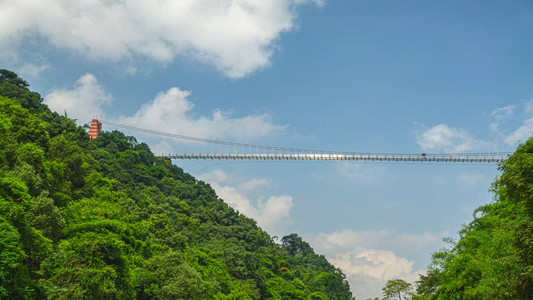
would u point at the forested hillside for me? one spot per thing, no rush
(105, 219)
(493, 258)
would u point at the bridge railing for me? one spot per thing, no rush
(284, 153)
(348, 157)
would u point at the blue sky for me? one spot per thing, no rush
(358, 76)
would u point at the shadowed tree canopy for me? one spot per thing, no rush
(294, 245)
(14, 87)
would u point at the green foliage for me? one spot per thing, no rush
(493, 259)
(396, 289)
(46, 217)
(12, 275)
(294, 245)
(106, 219)
(14, 87)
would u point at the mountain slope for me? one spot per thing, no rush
(105, 219)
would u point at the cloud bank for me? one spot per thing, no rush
(365, 258)
(445, 138)
(448, 139)
(167, 111)
(238, 37)
(521, 134)
(271, 214)
(171, 109)
(86, 96)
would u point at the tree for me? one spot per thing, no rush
(428, 284)
(295, 245)
(394, 289)
(16, 88)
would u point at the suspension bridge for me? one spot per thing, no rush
(284, 153)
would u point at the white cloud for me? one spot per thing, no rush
(378, 264)
(86, 99)
(503, 112)
(168, 111)
(529, 108)
(271, 215)
(216, 176)
(29, 69)
(521, 134)
(368, 270)
(348, 239)
(500, 114)
(367, 258)
(172, 109)
(236, 36)
(253, 184)
(447, 139)
(162, 147)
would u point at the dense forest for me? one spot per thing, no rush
(105, 219)
(493, 257)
